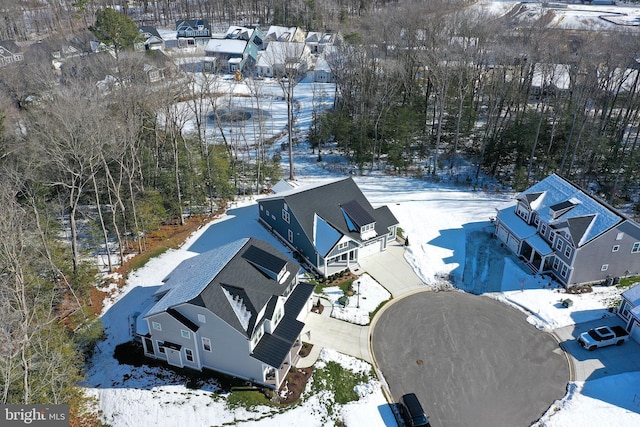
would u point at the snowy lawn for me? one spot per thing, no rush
(450, 233)
(358, 310)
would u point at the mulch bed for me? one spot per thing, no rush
(294, 385)
(317, 308)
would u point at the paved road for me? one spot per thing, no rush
(472, 361)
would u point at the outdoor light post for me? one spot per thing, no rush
(358, 304)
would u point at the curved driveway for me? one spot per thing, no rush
(472, 361)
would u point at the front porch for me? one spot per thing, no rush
(275, 377)
(535, 252)
(345, 261)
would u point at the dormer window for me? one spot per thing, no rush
(522, 213)
(367, 227)
(359, 219)
(560, 209)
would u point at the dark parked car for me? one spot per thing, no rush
(414, 414)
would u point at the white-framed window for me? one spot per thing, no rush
(559, 244)
(343, 245)
(273, 217)
(620, 236)
(552, 236)
(157, 326)
(285, 216)
(615, 248)
(564, 270)
(161, 348)
(368, 227)
(206, 344)
(604, 267)
(268, 212)
(202, 318)
(290, 236)
(536, 220)
(261, 208)
(543, 229)
(185, 334)
(189, 353)
(567, 251)
(556, 263)
(636, 248)
(522, 213)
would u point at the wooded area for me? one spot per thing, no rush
(423, 88)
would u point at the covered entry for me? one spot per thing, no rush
(534, 251)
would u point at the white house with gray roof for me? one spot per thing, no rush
(237, 309)
(330, 225)
(556, 228)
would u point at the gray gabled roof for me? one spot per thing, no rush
(193, 275)
(273, 348)
(562, 204)
(246, 281)
(327, 201)
(222, 280)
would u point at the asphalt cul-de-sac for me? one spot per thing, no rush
(472, 360)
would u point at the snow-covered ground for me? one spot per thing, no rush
(368, 295)
(448, 227)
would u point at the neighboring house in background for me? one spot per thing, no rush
(322, 70)
(10, 53)
(629, 311)
(237, 309)
(550, 79)
(237, 50)
(318, 42)
(193, 32)
(558, 229)
(331, 226)
(276, 33)
(152, 38)
(284, 58)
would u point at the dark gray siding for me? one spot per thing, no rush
(301, 242)
(590, 258)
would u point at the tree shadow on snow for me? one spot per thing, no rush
(238, 223)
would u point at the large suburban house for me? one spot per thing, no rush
(193, 32)
(152, 38)
(331, 226)
(629, 311)
(236, 50)
(237, 309)
(277, 33)
(284, 59)
(556, 228)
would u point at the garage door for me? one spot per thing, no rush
(502, 233)
(369, 248)
(513, 243)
